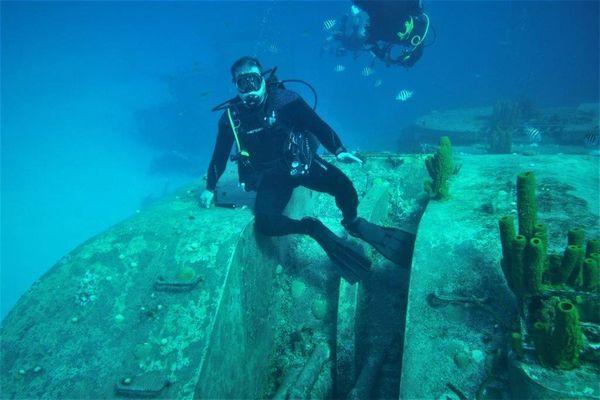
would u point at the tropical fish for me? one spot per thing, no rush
(378, 83)
(354, 10)
(534, 134)
(404, 95)
(328, 24)
(339, 68)
(591, 139)
(367, 71)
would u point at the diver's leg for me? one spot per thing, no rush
(271, 198)
(327, 178)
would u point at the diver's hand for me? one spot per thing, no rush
(348, 157)
(207, 198)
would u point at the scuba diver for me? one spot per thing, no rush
(394, 31)
(351, 36)
(401, 24)
(276, 134)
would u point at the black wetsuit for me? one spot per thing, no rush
(386, 19)
(263, 134)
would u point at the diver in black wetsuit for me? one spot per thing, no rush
(401, 24)
(394, 31)
(274, 131)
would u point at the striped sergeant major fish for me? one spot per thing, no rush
(328, 24)
(367, 71)
(591, 138)
(404, 95)
(533, 134)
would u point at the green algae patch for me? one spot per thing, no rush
(186, 274)
(319, 308)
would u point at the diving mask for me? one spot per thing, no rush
(249, 82)
(252, 88)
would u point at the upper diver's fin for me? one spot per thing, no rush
(394, 244)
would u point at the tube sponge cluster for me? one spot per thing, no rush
(524, 253)
(440, 167)
(528, 267)
(530, 271)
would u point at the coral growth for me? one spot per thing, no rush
(526, 263)
(567, 340)
(526, 204)
(440, 167)
(533, 274)
(557, 335)
(503, 124)
(534, 264)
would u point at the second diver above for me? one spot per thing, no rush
(392, 31)
(276, 133)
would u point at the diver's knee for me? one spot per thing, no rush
(266, 224)
(344, 186)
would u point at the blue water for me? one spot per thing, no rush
(92, 93)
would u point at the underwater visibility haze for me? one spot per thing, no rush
(275, 199)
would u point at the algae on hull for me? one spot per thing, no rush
(186, 295)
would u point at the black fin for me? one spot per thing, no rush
(394, 244)
(352, 265)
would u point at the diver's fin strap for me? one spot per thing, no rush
(235, 134)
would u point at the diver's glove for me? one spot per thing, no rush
(348, 157)
(207, 198)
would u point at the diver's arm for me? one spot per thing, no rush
(382, 53)
(304, 117)
(221, 152)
